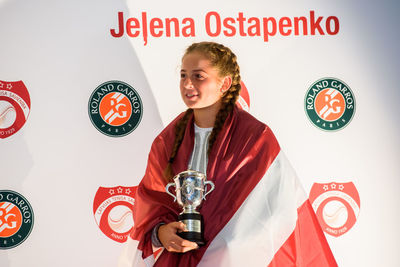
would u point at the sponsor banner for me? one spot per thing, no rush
(113, 211)
(115, 108)
(15, 105)
(330, 104)
(16, 219)
(337, 206)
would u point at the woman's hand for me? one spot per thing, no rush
(171, 241)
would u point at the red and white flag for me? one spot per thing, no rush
(265, 221)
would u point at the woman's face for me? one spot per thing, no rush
(200, 82)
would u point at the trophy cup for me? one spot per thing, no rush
(190, 189)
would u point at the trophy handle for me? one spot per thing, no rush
(167, 189)
(205, 188)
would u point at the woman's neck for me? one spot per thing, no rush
(205, 117)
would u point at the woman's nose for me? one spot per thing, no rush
(187, 83)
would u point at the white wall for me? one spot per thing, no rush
(63, 50)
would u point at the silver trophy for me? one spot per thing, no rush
(191, 189)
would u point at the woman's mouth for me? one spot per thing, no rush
(191, 95)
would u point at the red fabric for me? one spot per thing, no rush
(242, 153)
(307, 245)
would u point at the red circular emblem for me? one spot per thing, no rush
(337, 206)
(113, 211)
(15, 105)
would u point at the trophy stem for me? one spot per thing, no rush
(189, 209)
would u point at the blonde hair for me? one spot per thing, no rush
(225, 61)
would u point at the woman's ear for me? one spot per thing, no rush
(227, 82)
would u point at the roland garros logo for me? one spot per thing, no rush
(15, 105)
(113, 211)
(330, 104)
(337, 206)
(16, 219)
(115, 108)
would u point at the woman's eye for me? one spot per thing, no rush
(183, 75)
(199, 76)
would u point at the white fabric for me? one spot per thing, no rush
(198, 129)
(199, 158)
(131, 256)
(262, 224)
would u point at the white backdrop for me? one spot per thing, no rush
(63, 50)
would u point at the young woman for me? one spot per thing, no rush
(258, 213)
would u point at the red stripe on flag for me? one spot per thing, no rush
(307, 245)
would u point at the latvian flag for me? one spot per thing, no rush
(264, 221)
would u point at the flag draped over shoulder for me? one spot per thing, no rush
(258, 211)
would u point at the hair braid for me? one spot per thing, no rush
(231, 95)
(179, 133)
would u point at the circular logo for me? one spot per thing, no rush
(113, 211)
(115, 108)
(330, 104)
(15, 106)
(16, 219)
(336, 205)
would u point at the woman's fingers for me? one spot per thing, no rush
(178, 244)
(186, 243)
(179, 226)
(171, 241)
(173, 247)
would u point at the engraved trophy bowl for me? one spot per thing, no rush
(190, 190)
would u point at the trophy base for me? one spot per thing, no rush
(193, 222)
(193, 237)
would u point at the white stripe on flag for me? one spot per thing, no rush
(262, 224)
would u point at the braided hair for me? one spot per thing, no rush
(225, 61)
